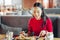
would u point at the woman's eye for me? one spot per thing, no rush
(38, 12)
(34, 11)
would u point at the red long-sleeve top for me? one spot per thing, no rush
(36, 26)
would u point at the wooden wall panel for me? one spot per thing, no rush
(50, 3)
(28, 3)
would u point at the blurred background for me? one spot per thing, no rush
(20, 7)
(14, 14)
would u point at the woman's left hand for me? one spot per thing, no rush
(42, 33)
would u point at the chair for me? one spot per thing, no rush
(16, 30)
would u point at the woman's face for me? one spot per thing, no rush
(37, 12)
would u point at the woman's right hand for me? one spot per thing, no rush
(42, 33)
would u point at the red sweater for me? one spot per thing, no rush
(35, 26)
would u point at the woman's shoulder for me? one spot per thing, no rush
(48, 19)
(32, 18)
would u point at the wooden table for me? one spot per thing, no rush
(3, 36)
(41, 38)
(56, 38)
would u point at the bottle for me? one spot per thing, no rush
(9, 35)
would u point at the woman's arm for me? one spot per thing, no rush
(49, 35)
(49, 25)
(29, 28)
(49, 29)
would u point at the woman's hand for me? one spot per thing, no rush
(23, 33)
(43, 33)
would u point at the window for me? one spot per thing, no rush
(45, 3)
(8, 2)
(1, 2)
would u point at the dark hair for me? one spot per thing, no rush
(43, 12)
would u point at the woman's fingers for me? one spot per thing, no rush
(42, 33)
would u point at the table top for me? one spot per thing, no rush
(56, 38)
(39, 38)
(3, 36)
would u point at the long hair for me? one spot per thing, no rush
(43, 16)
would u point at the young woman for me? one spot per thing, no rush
(39, 24)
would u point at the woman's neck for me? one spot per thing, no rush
(38, 18)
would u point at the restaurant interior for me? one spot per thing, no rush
(14, 15)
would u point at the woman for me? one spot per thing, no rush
(39, 24)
